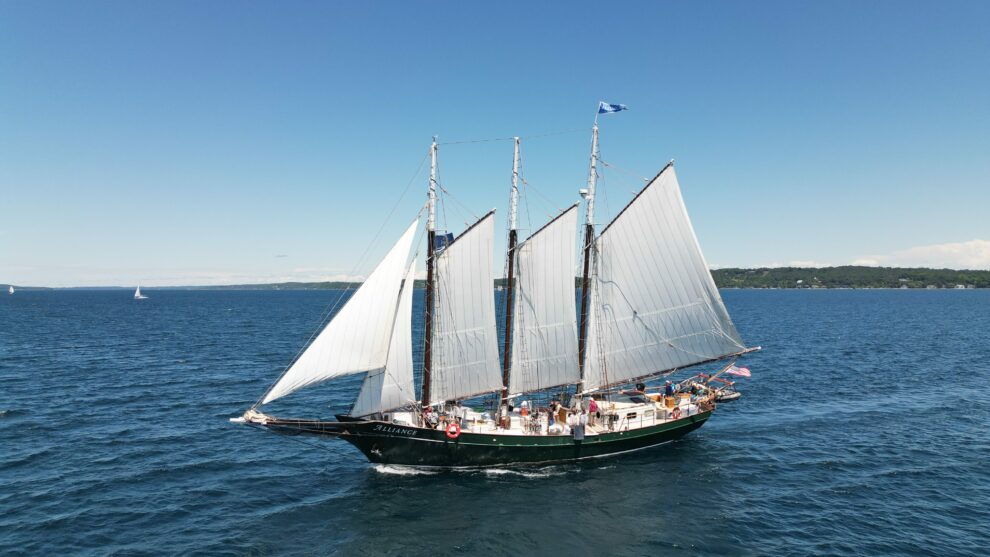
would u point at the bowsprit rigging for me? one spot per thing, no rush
(648, 308)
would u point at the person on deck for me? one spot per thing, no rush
(668, 389)
(579, 421)
(431, 418)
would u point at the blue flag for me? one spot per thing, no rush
(442, 240)
(605, 108)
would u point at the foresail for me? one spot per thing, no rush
(464, 343)
(544, 329)
(357, 338)
(392, 387)
(654, 305)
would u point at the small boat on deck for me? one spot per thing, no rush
(727, 396)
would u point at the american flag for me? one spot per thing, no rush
(740, 371)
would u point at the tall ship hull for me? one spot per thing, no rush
(555, 386)
(389, 443)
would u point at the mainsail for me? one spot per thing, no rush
(357, 338)
(392, 386)
(544, 331)
(464, 340)
(654, 305)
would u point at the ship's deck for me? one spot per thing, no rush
(622, 413)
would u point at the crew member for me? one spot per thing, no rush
(668, 389)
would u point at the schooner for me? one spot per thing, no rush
(648, 308)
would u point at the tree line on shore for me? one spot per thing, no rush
(849, 276)
(776, 277)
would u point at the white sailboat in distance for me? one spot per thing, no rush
(10, 289)
(138, 295)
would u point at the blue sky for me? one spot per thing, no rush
(220, 142)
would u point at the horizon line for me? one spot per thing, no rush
(497, 279)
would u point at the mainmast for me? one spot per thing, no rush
(510, 254)
(589, 239)
(431, 234)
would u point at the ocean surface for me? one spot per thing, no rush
(865, 430)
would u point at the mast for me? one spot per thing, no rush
(665, 311)
(510, 253)
(589, 239)
(431, 225)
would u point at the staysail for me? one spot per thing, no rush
(392, 387)
(544, 329)
(357, 338)
(654, 305)
(464, 343)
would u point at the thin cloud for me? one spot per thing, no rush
(166, 278)
(801, 263)
(809, 263)
(974, 254)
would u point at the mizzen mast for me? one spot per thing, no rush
(510, 255)
(431, 226)
(589, 241)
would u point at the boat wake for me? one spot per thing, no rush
(534, 473)
(404, 470)
(399, 470)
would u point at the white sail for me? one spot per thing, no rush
(465, 344)
(544, 330)
(137, 294)
(10, 289)
(654, 305)
(392, 387)
(357, 337)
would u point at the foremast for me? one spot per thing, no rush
(589, 242)
(510, 256)
(431, 235)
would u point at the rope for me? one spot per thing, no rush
(535, 136)
(314, 445)
(385, 370)
(547, 200)
(462, 206)
(628, 172)
(331, 308)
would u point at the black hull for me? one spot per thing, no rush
(387, 443)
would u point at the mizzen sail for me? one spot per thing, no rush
(544, 329)
(654, 305)
(357, 338)
(464, 340)
(392, 386)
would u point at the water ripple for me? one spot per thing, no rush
(862, 432)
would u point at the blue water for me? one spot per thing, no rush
(865, 430)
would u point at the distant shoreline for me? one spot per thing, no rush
(779, 278)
